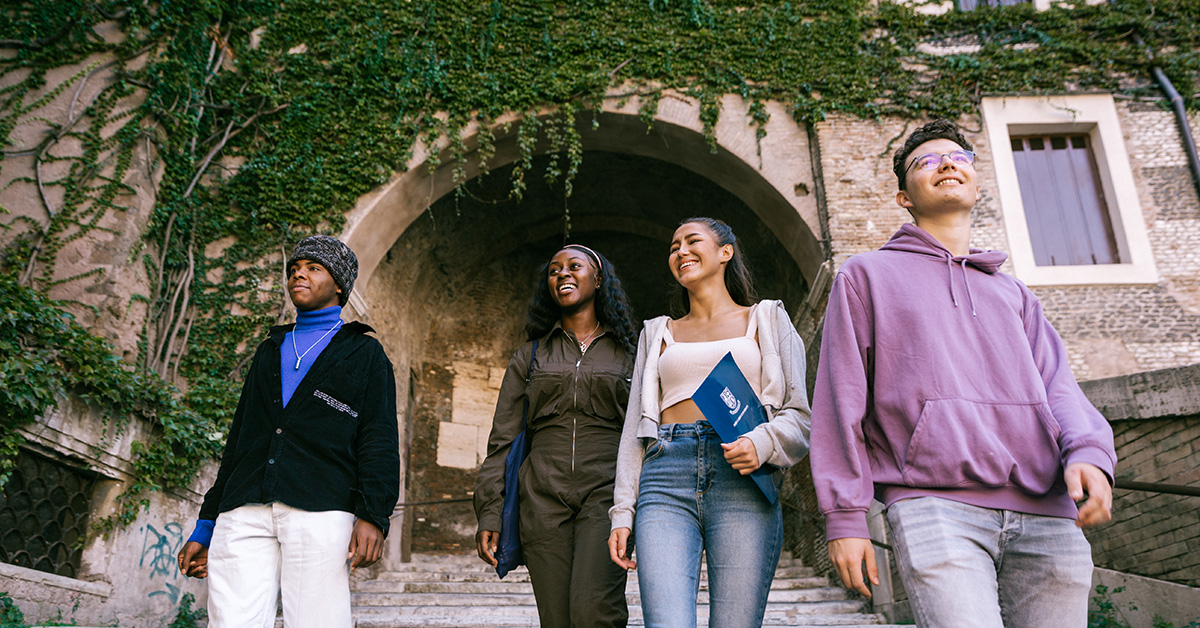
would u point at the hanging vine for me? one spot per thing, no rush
(264, 121)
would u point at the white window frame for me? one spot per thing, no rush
(1094, 115)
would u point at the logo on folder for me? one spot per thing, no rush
(731, 407)
(735, 406)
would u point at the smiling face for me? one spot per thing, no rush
(311, 287)
(572, 279)
(948, 188)
(696, 256)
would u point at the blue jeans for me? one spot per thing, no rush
(691, 501)
(964, 565)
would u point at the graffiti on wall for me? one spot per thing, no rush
(159, 549)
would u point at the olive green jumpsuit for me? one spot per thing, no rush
(577, 406)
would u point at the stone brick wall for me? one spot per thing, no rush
(1156, 426)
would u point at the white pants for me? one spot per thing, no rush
(258, 550)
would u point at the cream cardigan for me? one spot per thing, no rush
(782, 441)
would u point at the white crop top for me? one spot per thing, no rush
(684, 365)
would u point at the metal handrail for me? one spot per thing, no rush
(1158, 487)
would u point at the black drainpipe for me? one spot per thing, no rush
(1185, 128)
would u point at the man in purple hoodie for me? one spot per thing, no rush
(944, 393)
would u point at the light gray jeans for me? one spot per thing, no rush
(963, 565)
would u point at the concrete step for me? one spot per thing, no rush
(500, 620)
(528, 608)
(447, 572)
(785, 560)
(459, 591)
(525, 597)
(508, 585)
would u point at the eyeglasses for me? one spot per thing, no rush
(930, 161)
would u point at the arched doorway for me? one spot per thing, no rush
(447, 277)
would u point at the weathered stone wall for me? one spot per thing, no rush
(97, 270)
(1156, 426)
(131, 576)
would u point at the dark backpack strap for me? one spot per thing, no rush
(528, 376)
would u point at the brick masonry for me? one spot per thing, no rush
(1156, 428)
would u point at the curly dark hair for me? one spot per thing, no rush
(936, 130)
(612, 305)
(739, 281)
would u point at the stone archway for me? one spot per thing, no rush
(445, 281)
(774, 176)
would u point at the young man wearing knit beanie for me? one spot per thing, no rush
(311, 469)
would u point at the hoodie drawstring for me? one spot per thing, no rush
(950, 275)
(966, 282)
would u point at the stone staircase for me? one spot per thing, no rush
(461, 591)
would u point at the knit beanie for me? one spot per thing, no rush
(334, 255)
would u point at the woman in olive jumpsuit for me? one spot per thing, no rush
(577, 395)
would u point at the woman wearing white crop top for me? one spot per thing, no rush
(687, 488)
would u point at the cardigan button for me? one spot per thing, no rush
(279, 430)
(271, 461)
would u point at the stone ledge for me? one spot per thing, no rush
(13, 572)
(1175, 603)
(1161, 394)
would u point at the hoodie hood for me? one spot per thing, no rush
(913, 239)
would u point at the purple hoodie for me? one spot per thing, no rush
(941, 376)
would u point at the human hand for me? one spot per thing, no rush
(1087, 479)
(366, 544)
(848, 555)
(620, 550)
(741, 455)
(485, 544)
(193, 560)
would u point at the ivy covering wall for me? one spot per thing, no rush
(318, 101)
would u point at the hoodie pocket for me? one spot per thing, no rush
(959, 442)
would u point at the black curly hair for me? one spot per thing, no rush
(612, 305)
(739, 281)
(937, 130)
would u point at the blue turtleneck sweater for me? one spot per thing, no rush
(310, 336)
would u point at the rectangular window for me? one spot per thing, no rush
(1066, 191)
(971, 5)
(1068, 219)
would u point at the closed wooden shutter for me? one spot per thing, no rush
(1068, 219)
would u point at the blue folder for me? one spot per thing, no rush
(732, 408)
